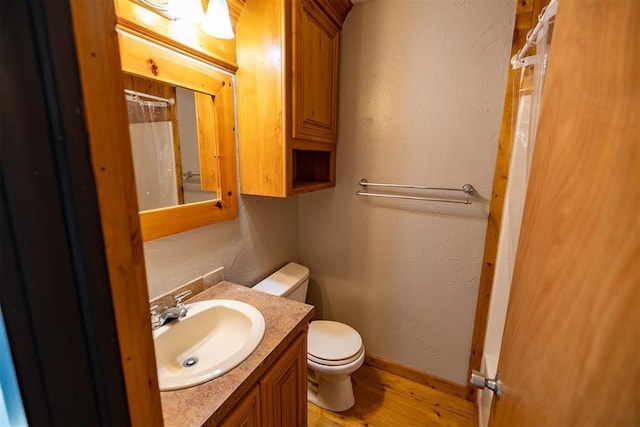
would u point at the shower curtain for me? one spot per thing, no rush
(527, 100)
(526, 105)
(152, 147)
(532, 83)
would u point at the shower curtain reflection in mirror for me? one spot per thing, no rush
(154, 161)
(174, 144)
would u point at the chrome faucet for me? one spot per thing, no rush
(178, 311)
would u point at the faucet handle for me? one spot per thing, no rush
(178, 298)
(155, 317)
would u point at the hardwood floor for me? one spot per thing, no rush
(385, 399)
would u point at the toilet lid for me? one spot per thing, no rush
(332, 343)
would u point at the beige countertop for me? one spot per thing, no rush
(208, 403)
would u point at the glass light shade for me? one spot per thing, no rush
(217, 22)
(190, 10)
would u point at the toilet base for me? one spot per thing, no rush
(334, 394)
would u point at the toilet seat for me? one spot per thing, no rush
(341, 362)
(333, 343)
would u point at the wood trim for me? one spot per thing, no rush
(107, 125)
(148, 59)
(262, 125)
(414, 375)
(227, 153)
(312, 145)
(177, 153)
(526, 17)
(163, 222)
(207, 126)
(336, 9)
(54, 285)
(177, 219)
(301, 187)
(187, 38)
(235, 10)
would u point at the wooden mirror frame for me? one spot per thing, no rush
(149, 59)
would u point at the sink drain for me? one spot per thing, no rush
(192, 361)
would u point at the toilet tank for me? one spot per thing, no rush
(291, 282)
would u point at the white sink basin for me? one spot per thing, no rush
(214, 337)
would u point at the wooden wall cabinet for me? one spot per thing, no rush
(287, 91)
(280, 397)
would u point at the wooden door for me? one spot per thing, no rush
(283, 389)
(247, 412)
(570, 353)
(315, 44)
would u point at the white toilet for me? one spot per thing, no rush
(334, 350)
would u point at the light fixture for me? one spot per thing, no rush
(217, 22)
(190, 10)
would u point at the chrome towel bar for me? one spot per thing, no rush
(191, 178)
(467, 189)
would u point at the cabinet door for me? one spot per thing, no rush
(246, 413)
(283, 389)
(314, 74)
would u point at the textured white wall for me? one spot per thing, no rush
(421, 93)
(422, 84)
(262, 239)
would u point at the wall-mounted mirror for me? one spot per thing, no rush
(174, 161)
(181, 123)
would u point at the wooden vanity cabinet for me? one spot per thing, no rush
(280, 396)
(247, 412)
(283, 389)
(287, 92)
